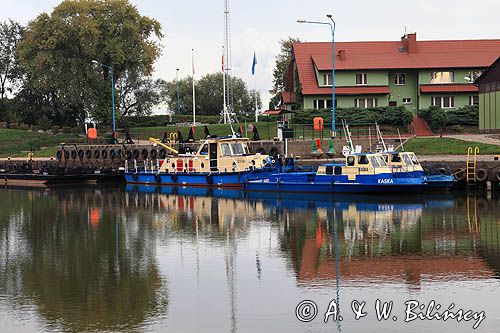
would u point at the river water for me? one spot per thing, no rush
(146, 259)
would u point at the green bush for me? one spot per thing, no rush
(466, 115)
(24, 127)
(55, 129)
(14, 126)
(3, 125)
(66, 130)
(399, 116)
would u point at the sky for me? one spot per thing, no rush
(258, 26)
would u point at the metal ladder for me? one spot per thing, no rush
(471, 164)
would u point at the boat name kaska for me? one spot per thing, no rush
(386, 181)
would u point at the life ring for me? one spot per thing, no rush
(128, 155)
(59, 154)
(66, 154)
(209, 179)
(136, 153)
(104, 154)
(153, 153)
(158, 178)
(144, 153)
(97, 153)
(497, 175)
(459, 175)
(174, 177)
(88, 153)
(481, 175)
(112, 154)
(163, 153)
(81, 153)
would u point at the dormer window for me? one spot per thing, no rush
(327, 79)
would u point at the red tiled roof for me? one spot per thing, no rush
(437, 88)
(276, 112)
(386, 55)
(288, 97)
(358, 90)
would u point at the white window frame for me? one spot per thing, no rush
(364, 79)
(397, 79)
(407, 100)
(434, 75)
(473, 75)
(327, 80)
(441, 100)
(362, 103)
(471, 100)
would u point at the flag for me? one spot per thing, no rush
(254, 63)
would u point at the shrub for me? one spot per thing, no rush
(44, 123)
(24, 127)
(66, 130)
(466, 115)
(14, 126)
(3, 125)
(54, 129)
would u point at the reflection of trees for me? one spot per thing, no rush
(82, 275)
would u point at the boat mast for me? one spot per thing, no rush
(228, 115)
(381, 138)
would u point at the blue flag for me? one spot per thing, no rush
(254, 63)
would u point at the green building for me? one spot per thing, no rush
(489, 98)
(415, 74)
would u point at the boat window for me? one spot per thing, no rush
(329, 170)
(374, 162)
(407, 160)
(396, 158)
(363, 159)
(338, 170)
(238, 148)
(204, 149)
(381, 161)
(350, 161)
(414, 159)
(226, 151)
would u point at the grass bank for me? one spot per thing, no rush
(447, 146)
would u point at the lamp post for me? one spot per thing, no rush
(112, 92)
(332, 28)
(177, 88)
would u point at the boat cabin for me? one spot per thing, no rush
(216, 155)
(406, 161)
(357, 164)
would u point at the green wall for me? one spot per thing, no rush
(348, 78)
(461, 99)
(410, 90)
(489, 111)
(424, 76)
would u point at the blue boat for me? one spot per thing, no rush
(219, 162)
(361, 173)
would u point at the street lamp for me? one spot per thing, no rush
(177, 87)
(332, 28)
(112, 92)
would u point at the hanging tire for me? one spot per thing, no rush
(163, 153)
(459, 175)
(209, 179)
(481, 175)
(104, 154)
(59, 154)
(88, 153)
(81, 153)
(66, 154)
(128, 155)
(442, 171)
(97, 153)
(136, 153)
(497, 175)
(112, 154)
(153, 153)
(144, 153)
(119, 153)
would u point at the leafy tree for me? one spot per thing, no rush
(138, 94)
(209, 95)
(280, 70)
(58, 49)
(10, 34)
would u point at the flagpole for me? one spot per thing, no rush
(255, 86)
(194, 96)
(224, 107)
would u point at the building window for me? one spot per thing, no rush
(474, 100)
(400, 79)
(444, 102)
(473, 75)
(327, 79)
(406, 100)
(442, 77)
(364, 103)
(320, 104)
(361, 79)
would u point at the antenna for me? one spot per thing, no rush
(228, 115)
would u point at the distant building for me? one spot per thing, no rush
(489, 98)
(416, 74)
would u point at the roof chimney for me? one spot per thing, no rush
(341, 54)
(409, 42)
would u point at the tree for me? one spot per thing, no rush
(138, 94)
(10, 34)
(58, 48)
(439, 120)
(280, 70)
(209, 95)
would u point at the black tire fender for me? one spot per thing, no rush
(481, 175)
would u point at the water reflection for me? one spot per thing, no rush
(100, 258)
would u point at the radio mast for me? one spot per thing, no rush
(227, 113)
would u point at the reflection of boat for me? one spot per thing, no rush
(223, 162)
(362, 172)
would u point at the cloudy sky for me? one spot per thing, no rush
(258, 25)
